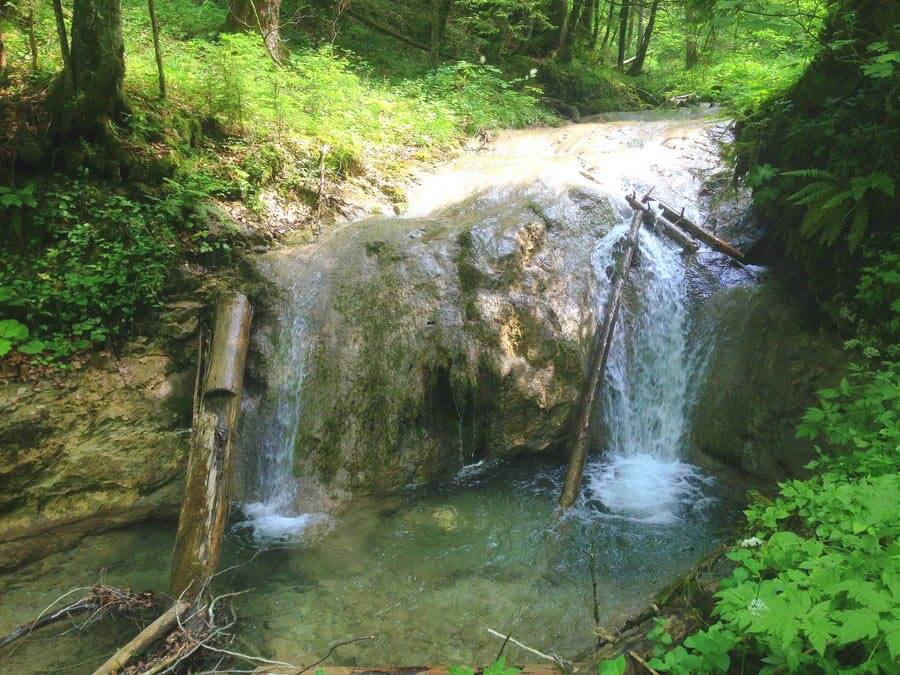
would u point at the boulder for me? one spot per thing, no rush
(104, 448)
(434, 342)
(769, 356)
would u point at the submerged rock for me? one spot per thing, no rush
(104, 450)
(436, 341)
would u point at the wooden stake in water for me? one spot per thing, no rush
(596, 366)
(201, 525)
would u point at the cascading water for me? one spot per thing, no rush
(643, 408)
(274, 512)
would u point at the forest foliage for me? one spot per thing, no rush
(113, 162)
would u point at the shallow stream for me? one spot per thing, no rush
(429, 571)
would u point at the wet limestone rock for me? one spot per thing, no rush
(436, 342)
(768, 360)
(105, 449)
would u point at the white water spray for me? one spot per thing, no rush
(644, 403)
(275, 514)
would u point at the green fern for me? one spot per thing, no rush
(832, 203)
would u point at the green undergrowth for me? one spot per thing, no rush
(89, 251)
(816, 587)
(743, 59)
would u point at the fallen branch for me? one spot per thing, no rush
(155, 631)
(100, 599)
(646, 666)
(387, 31)
(83, 605)
(668, 229)
(678, 219)
(562, 663)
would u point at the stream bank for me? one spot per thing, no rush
(393, 353)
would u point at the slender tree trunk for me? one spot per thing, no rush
(639, 26)
(610, 20)
(558, 16)
(629, 36)
(263, 16)
(638, 64)
(595, 28)
(154, 26)
(32, 38)
(2, 43)
(623, 31)
(586, 23)
(62, 34)
(567, 36)
(440, 13)
(691, 53)
(97, 71)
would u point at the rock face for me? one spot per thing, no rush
(767, 361)
(105, 449)
(436, 342)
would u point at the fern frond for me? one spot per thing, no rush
(814, 192)
(818, 174)
(839, 198)
(858, 226)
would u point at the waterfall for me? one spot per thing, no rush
(643, 407)
(272, 426)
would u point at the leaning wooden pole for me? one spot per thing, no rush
(685, 242)
(677, 218)
(204, 509)
(596, 365)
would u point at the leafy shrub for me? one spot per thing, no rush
(100, 261)
(817, 588)
(480, 96)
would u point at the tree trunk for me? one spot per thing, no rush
(63, 35)
(568, 35)
(586, 24)
(440, 13)
(263, 16)
(558, 16)
(596, 365)
(610, 20)
(595, 28)
(201, 526)
(32, 38)
(623, 30)
(691, 53)
(638, 64)
(92, 96)
(629, 37)
(2, 42)
(154, 26)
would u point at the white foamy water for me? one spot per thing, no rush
(639, 474)
(270, 523)
(274, 513)
(644, 488)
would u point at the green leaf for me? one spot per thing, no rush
(13, 330)
(616, 666)
(856, 624)
(31, 348)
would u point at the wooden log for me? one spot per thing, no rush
(679, 237)
(678, 219)
(204, 509)
(155, 631)
(596, 365)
